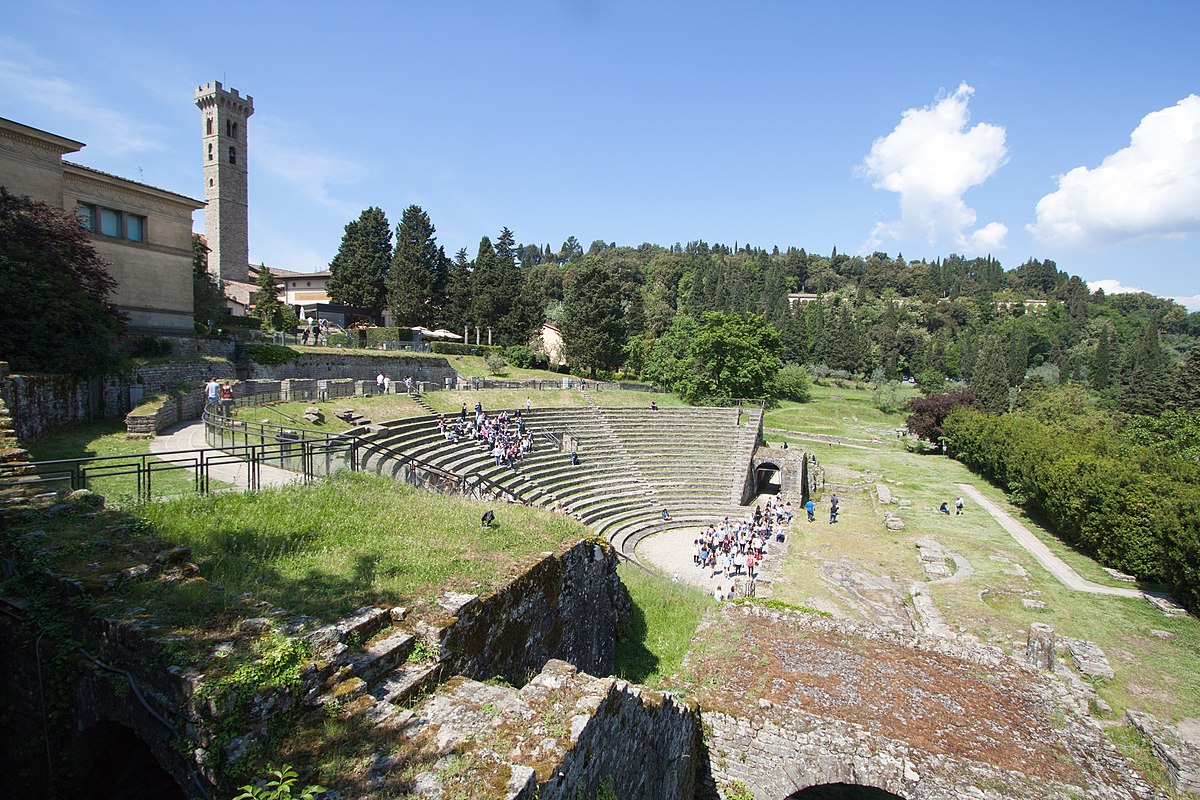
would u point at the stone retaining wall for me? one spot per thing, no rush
(175, 408)
(569, 606)
(359, 368)
(40, 403)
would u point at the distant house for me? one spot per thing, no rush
(552, 342)
(143, 233)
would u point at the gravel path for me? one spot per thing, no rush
(1053, 564)
(671, 553)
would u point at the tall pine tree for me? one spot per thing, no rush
(358, 273)
(414, 269)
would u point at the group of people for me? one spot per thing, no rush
(385, 383)
(737, 548)
(318, 333)
(506, 436)
(218, 394)
(958, 507)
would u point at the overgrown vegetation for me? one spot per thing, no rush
(270, 355)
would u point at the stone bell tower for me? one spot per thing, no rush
(223, 115)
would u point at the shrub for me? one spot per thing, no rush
(244, 323)
(377, 336)
(519, 356)
(496, 364)
(461, 349)
(270, 355)
(148, 347)
(792, 383)
(888, 398)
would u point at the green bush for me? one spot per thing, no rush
(270, 355)
(148, 347)
(496, 364)
(461, 349)
(243, 323)
(792, 383)
(1131, 508)
(376, 337)
(519, 356)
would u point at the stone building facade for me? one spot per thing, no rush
(142, 232)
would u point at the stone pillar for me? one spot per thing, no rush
(1039, 649)
(466, 334)
(489, 335)
(477, 334)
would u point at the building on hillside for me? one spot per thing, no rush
(224, 153)
(144, 233)
(552, 343)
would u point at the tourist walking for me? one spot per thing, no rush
(811, 508)
(958, 506)
(833, 510)
(212, 392)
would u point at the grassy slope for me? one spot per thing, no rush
(108, 438)
(334, 546)
(1162, 677)
(665, 616)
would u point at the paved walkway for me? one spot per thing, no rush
(190, 436)
(1053, 564)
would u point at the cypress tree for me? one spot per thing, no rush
(358, 273)
(411, 280)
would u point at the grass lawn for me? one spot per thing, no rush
(1158, 675)
(108, 438)
(665, 616)
(333, 546)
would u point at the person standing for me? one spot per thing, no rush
(811, 508)
(379, 382)
(387, 384)
(833, 510)
(212, 392)
(958, 506)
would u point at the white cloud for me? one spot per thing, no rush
(1112, 286)
(311, 171)
(31, 80)
(1149, 189)
(931, 159)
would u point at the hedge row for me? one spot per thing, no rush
(1121, 503)
(460, 349)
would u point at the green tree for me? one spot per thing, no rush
(268, 307)
(208, 293)
(1187, 391)
(55, 296)
(593, 320)
(1101, 375)
(1146, 384)
(458, 292)
(415, 269)
(989, 378)
(721, 355)
(489, 298)
(358, 273)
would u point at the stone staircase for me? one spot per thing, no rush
(633, 464)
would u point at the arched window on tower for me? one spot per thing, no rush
(228, 128)
(235, 130)
(208, 130)
(210, 151)
(232, 155)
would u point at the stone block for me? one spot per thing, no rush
(1039, 647)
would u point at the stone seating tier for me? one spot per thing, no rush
(633, 463)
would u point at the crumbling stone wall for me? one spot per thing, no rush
(360, 368)
(39, 403)
(569, 606)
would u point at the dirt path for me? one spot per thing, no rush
(1053, 564)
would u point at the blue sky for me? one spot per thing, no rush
(1068, 131)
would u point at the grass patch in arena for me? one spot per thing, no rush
(665, 616)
